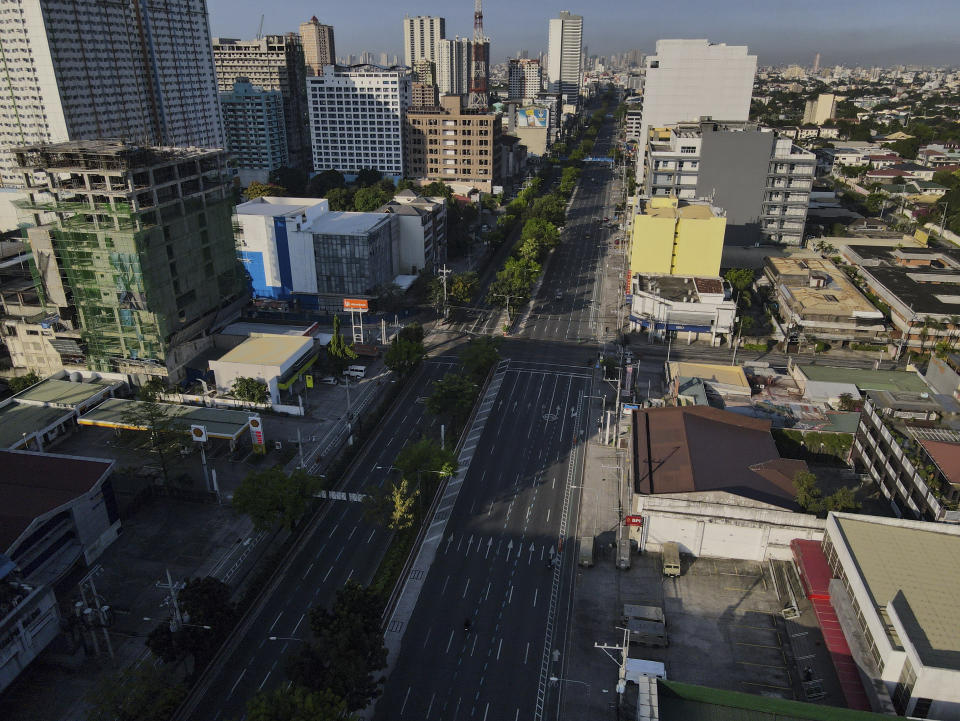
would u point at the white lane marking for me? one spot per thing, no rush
(511, 594)
(499, 649)
(445, 581)
(449, 642)
(353, 530)
(328, 573)
(277, 619)
(265, 679)
(334, 529)
(548, 515)
(427, 637)
(405, 701)
(371, 535)
(465, 588)
(486, 710)
(535, 592)
(307, 572)
(526, 653)
(237, 682)
(339, 553)
(349, 575)
(298, 624)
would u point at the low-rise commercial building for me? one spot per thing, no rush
(677, 237)
(817, 299)
(29, 621)
(456, 145)
(898, 443)
(298, 249)
(894, 588)
(423, 230)
(274, 360)
(668, 304)
(921, 287)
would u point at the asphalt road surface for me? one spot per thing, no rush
(493, 565)
(519, 498)
(341, 546)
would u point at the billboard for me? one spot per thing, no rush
(532, 117)
(355, 304)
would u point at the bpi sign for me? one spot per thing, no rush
(633, 520)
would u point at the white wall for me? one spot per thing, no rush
(738, 529)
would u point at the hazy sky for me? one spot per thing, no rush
(844, 31)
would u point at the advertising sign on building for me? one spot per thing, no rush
(355, 304)
(532, 117)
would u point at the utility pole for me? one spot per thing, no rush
(623, 649)
(444, 272)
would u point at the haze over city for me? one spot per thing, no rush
(857, 32)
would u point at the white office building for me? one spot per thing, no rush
(142, 72)
(453, 66)
(565, 56)
(690, 79)
(356, 118)
(420, 37)
(524, 78)
(894, 590)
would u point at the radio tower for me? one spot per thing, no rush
(478, 72)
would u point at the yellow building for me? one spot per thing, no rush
(677, 238)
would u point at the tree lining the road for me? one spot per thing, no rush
(203, 602)
(339, 352)
(271, 496)
(452, 398)
(542, 215)
(347, 649)
(144, 693)
(297, 703)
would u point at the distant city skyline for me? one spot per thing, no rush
(855, 32)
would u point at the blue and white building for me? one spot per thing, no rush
(298, 249)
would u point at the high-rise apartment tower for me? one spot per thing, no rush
(420, 37)
(83, 70)
(274, 62)
(565, 55)
(318, 46)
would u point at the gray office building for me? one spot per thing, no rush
(762, 180)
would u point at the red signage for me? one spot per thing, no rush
(633, 521)
(355, 304)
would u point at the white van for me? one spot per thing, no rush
(355, 371)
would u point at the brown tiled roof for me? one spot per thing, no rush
(947, 457)
(699, 448)
(32, 484)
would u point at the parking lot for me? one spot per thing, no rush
(723, 623)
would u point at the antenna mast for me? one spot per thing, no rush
(479, 62)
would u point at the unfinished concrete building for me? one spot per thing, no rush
(140, 246)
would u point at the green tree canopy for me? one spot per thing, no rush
(340, 199)
(142, 693)
(809, 495)
(21, 383)
(293, 179)
(349, 649)
(452, 397)
(322, 183)
(479, 356)
(271, 496)
(394, 507)
(843, 500)
(250, 390)
(403, 355)
(339, 352)
(368, 199)
(552, 208)
(297, 703)
(259, 190)
(412, 332)
(513, 284)
(368, 176)
(425, 460)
